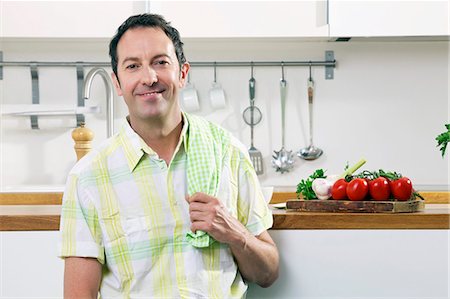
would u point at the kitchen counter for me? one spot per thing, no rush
(434, 216)
(41, 211)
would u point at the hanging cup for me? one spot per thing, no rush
(217, 94)
(189, 97)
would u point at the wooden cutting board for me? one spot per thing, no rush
(348, 206)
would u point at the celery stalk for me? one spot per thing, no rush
(353, 168)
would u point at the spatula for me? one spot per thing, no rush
(255, 155)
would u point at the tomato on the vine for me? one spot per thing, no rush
(401, 188)
(338, 191)
(357, 189)
(379, 188)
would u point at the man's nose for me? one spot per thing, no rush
(149, 76)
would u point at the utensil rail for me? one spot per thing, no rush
(193, 63)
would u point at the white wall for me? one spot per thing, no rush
(387, 103)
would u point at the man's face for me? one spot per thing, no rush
(149, 74)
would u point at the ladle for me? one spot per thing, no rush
(310, 152)
(283, 160)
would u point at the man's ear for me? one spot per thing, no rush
(116, 84)
(184, 73)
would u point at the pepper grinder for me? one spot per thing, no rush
(82, 137)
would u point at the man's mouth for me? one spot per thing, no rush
(150, 93)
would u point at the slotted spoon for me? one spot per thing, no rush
(283, 160)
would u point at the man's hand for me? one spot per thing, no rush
(256, 256)
(208, 214)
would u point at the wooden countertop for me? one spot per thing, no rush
(435, 216)
(36, 213)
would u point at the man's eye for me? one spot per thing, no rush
(162, 62)
(131, 66)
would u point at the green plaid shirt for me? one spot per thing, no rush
(126, 207)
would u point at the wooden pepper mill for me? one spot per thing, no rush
(82, 137)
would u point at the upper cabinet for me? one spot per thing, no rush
(388, 18)
(223, 19)
(194, 19)
(64, 19)
(229, 19)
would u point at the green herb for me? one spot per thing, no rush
(305, 186)
(347, 166)
(416, 194)
(366, 174)
(443, 139)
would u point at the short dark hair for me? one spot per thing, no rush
(146, 20)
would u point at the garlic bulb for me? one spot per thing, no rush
(322, 187)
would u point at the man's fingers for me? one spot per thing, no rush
(200, 197)
(195, 206)
(198, 216)
(200, 225)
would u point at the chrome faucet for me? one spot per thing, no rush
(109, 96)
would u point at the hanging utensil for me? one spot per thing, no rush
(189, 96)
(216, 93)
(252, 116)
(310, 152)
(283, 160)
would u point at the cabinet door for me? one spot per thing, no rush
(63, 19)
(212, 19)
(388, 18)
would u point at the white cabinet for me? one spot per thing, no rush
(222, 19)
(388, 264)
(30, 267)
(313, 264)
(64, 19)
(388, 18)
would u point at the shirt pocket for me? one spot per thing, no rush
(136, 229)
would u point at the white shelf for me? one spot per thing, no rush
(46, 110)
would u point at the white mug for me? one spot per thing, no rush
(217, 96)
(189, 98)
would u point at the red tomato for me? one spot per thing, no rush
(401, 188)
(357, 189)
(338, 191)
(379, 189)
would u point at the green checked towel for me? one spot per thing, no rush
(206, 147)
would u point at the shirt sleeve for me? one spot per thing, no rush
(253, 210)
(80, 233)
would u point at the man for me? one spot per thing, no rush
(170, 206)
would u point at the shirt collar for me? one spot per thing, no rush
(135, 148)
(184, 137)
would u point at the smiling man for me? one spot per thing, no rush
(170, 206)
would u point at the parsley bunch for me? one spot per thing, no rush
(305, 186)
(442, 139)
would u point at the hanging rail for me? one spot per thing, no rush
(329, 63)
(193, 63)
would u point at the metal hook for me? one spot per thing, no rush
(251, 66)
(189, 77)
(282, 70)
(215, 65)
(310, 64)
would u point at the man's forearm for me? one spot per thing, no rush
(82, 278)
(257, 258)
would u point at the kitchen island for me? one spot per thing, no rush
(322, 255)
